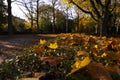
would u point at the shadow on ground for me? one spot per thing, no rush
(10, 46)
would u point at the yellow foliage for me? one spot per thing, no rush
(96, 46)
(67, 2)
(104, 54)
(42, 41)
(118, 9)
(27, 24)
(86, 21)
(79, 64)
(53, 45)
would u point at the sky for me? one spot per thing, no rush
(16, 11)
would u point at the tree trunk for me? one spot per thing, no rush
(53, 19)
(106, 23)
(104, 27)
(31, 15)
(10, 25)
(67, 21)
(37, 15)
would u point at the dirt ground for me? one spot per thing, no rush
(10, 46)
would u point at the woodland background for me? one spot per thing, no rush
(99, 17)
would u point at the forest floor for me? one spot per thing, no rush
(11, 46)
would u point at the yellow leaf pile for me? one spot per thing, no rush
(83, 49)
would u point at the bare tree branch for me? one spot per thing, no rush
(114, 6)
(95, 9)
(99, 2)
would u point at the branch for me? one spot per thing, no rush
(107, 3)
(95, 9)
(13, 0)
(24, 12)
(85, 11)
(115, 4)
(93, 17)
(99, 2)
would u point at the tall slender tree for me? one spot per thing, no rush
(37, 10)
(10, 25)
(53, 3)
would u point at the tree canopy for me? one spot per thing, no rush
(46, 19)
(101, 11)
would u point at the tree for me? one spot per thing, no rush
(100, 10)
(19, 24)
(53, 4)
(32, 11)
(2, 11)
(10, 25)
(29, 9)
(3, 14)
(67, 11)
(37, 12)
(46, 19)
(60, 22)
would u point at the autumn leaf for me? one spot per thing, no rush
(96, 46)
(38, 49)
(53, 45)
(104, 54)
(81, 53)
(42, 41)
(79, 64)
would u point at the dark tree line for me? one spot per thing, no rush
(56, 20)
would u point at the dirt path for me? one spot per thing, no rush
(10, 46)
